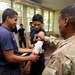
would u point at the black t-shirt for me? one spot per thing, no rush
(33, 38)
(32, 29)
(21, 32)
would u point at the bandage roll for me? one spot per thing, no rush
(38, 47)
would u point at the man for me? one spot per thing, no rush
(37, 67)
(62, 61)
(31, 28)
(9, 56)
(21, 36)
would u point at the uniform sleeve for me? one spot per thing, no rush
(54, 40)
(6, 42)
(59, 65)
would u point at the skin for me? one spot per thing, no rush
(37, 25)
(65, 27)
(10, 23)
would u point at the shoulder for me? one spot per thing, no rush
(5, 34)
(32, 34)
(4, 31)
(18, 30)
(42, 30)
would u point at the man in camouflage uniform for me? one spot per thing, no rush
(62, 61)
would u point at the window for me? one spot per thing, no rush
(51, 21)
(38, 11)
(3, 6)
(46, 20)
(18, 9)
(30, 14)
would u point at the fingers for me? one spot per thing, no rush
(34, 57)
(37, 58)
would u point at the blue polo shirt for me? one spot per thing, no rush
(32, 29)
(7, 42)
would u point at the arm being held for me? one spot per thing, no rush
(55, 40)
(38, 47)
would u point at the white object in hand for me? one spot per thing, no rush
(24, 54)
(38, 47)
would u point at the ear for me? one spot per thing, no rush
(7, 17)
(66, 21)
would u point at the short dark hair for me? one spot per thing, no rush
(21, 24)
(37, 17)
(31, 22)
(8, 12)
(69, 12)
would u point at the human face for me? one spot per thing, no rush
(12, 21)
(62, 26)
(37, 25)
(21, 26)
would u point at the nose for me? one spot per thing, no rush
(36, 27)
(16, 22)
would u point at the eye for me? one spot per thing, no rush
(15, 19)
(38, 24)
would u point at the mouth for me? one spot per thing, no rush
(36, 29)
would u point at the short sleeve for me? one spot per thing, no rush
(6, 41)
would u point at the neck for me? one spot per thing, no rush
(6, 25)
(70, 33)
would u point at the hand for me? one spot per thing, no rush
(40, 36)
(31, 46)
(34, 57)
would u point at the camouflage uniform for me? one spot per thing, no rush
(62, 61)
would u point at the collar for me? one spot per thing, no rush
(5, 28)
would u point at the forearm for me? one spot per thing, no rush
(15, 59)
(55, 40)
(23, 50)
(12, 58)
(29, 42)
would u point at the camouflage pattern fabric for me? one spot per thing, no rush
(62, 61)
